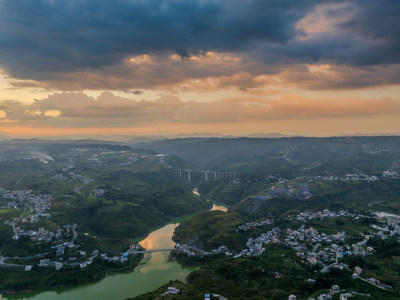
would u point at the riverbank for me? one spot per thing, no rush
(149, 273)
(152, 271)
(20, 282)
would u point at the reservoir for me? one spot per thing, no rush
(154, 270)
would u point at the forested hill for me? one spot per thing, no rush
(368, 154)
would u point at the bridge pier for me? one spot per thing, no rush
(217, 174)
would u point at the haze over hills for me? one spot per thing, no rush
(151, 137)
(238, 154)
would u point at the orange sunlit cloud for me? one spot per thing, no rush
(110, 114)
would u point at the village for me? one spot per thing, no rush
(316, 248)
(313, 247)
(63, 237)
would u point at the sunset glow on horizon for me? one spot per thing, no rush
(172, 67)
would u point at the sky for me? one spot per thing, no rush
(167, 67)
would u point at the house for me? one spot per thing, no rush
(345, 296)
(44, 262)
(310, 281)
(173, 290)
(292, 297)
(374, 280)
(358, 270)
(58, 265)
(28, 268)
(60, 251)
(335, 288)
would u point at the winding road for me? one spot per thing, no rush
(4, 264)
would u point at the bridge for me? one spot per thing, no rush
(156, 250)
(206, 173)
(171, 249)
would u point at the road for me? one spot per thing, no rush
(157, 250)
(172, 249)
(13, 227)
(380, 287)
(4, 264)
(74, 234)
(201, 250)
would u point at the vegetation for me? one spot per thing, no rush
(39, 279)
(273, 275)
(115, 195)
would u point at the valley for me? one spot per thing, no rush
(85, 211)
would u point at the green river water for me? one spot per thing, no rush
(154, 271)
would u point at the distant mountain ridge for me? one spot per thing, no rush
(219, 153)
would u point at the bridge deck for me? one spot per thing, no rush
(158, 250)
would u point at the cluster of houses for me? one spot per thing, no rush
(68, 174)
(82, 178)
(326, 213)
(346, 177)
(128, 158)
(361, 177)
(123, 257)
(389, 223)
(47, 263)
(83, 264)
(333, 291)
(214, 296)
(38, 203)
(98, 192)
(308, 244)
(255, 246)
(41, 235)
(184, 249)
(59, 177)
(89, 261)
(251, 225)
(170, 291)
(389, 173)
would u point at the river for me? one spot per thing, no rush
(154, 270)
(215, 207)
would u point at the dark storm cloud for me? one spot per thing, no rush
(70, 35)
(43, 39)
(369, 36)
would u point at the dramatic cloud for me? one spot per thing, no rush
(110, 110)
(131, 44)
(300, 65)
